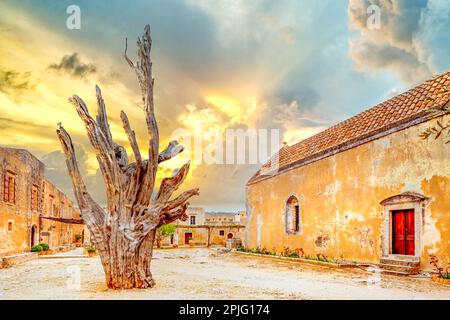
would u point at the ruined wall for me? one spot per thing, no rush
(340, 196)
(57, 205)
(28, 171)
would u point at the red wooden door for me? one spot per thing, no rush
(187, 237)
(403, 232)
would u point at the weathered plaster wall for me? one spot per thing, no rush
(339, 198)
(28, 171)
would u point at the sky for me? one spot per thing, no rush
(298, 66)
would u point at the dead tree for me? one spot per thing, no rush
(124, 231)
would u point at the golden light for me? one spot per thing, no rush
(224, 104)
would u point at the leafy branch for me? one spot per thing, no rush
(440, 130)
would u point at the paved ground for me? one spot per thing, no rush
(210, 274)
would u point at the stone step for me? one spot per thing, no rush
(396, 273)
(400, 268)
(399, 262)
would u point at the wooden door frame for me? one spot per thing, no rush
(405, 201)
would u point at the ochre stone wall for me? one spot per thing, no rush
(28, 171)
(339, 196)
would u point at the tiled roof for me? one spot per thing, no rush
(383, 117)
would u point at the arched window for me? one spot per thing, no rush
(292, 215)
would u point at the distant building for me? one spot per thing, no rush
(27, 203)
(208, 228)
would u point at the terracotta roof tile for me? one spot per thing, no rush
(403, 107)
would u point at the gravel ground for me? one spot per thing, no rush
(210, 274)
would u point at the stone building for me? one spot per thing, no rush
(207, 228)
(226, 225)
(26, 200)
(368, 189)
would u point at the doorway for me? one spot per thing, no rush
(187, 237)
(403, 232)
(33, 241)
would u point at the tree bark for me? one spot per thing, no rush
(124, 232)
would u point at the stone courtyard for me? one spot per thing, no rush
(200, 273)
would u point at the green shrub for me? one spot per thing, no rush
(287, 252)
(90, 249)
(44, 246)
(36, 248)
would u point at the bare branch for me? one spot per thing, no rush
(169, 185)
(131, 138)
(170, 151)
(105, 155)
(144, 73)
(92, 211)
(102, 119)
(177, 214)
(181, 199)
(130, 63)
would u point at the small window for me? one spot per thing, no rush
(221, 232)
(9, 187)
(292, 215)
(10, 226)
(34, 197)
(192, 220)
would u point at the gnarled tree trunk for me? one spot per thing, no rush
(124, 232)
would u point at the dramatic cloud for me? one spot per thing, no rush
(11, 81)
(397, 45)
(217, 64)
(72, 65)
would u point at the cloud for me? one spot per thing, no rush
(26, 134)
(11, 81)
(72, 65)
(221, 186)
(397, 45)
